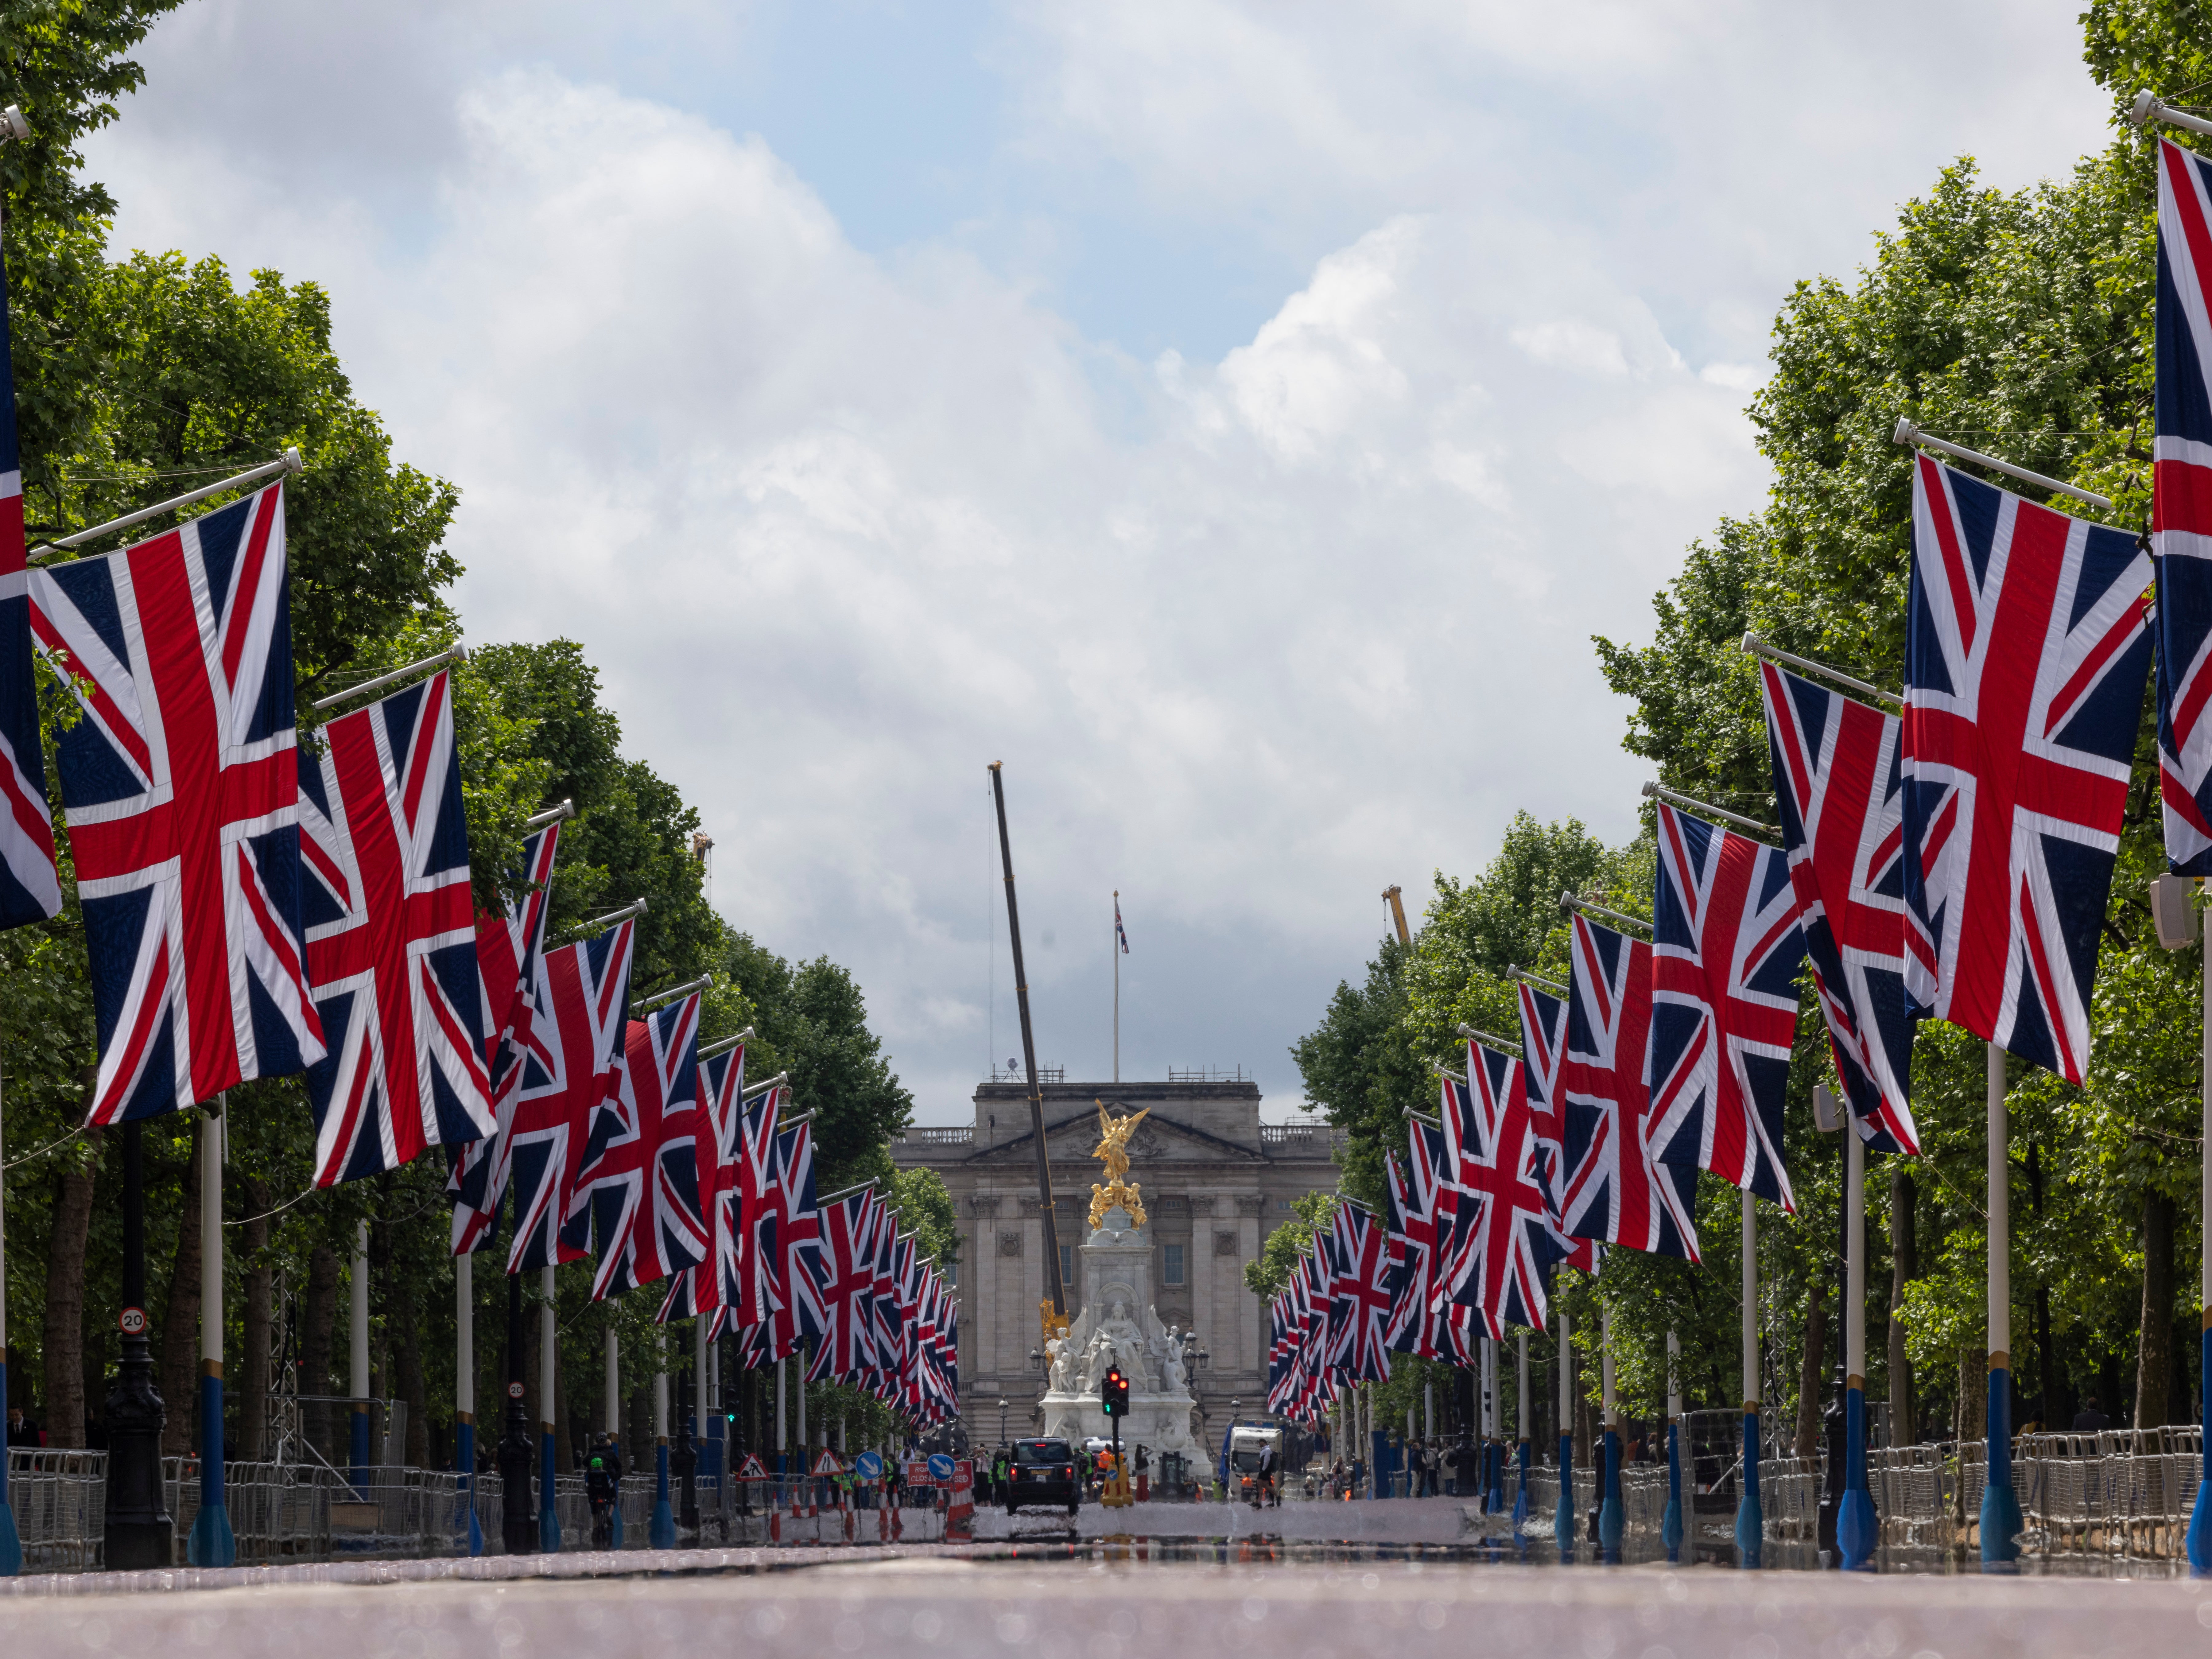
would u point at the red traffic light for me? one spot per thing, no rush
(1114, 1393)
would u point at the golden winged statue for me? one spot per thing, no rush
(1113, 1149)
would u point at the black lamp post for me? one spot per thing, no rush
(518, 1517)
(138, 1528)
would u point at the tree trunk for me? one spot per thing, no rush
(254, 1370)
(322, 1311)
(1904, 1268)
(407, 1351)
(1973, 1394)
(180, 1320)
(64, 1356)
(1808, 1372)
(2154, 1344)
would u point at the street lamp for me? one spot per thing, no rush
(1002, 1422)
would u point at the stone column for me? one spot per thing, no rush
(1249, 1349)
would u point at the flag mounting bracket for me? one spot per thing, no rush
(672, 994)
(779, 1078)
(1675, 798)
(1759, 647)
(2148, 107)
(290, 461)
(1540, 983)
(1568, 901)
(1498, 1042)
(567, 809)
(723, 1045)
(1908, 431)
(438, 659)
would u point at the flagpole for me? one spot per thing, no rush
(613, 1405)
(1750, 1519)
(212, 1543)
(1563, 1525)
(1114, 950)
(1611, 1520)
(11, 1542)
(136, 1531)
(2199, 1538)
(1857, 1532)
(2000, 1515)
(1670, 1524)
(357, 1448)
(471, 1534)
(548, 1516)
(1520, 1404)
(661, 1533)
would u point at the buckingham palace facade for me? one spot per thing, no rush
(1216, 1182)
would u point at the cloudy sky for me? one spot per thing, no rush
(1234, 415)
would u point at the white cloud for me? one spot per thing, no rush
(1255, 636)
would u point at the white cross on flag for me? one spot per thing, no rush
(391, 940)
(182, 789)
(2026, 658)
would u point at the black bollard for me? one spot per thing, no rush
(1831, 1484)
(683, 1459)
(138, 1533)
(517, 1456)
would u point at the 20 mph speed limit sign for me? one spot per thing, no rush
(133, 1322)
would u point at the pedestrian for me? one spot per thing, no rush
(21, 1432)
(600, 1487)
(2089, 1419)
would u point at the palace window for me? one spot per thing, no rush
(1171, 1267)
(1068, 1267)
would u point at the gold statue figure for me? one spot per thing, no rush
(1113, 1149)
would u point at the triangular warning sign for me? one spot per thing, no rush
(828, 1463)
(750, 1469)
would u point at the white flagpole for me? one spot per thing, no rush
(549, 1516)
(1114, 950)
(465, 1525)
(11, 1545)
(1750, 1518)
(212, 1544)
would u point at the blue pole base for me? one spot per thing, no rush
(549, 1517)
(660, 1533)
(11, 1542)
(2000, 1518)
(1612, 1518)
(1670, 1524)
(1857, 1531)
(1520, 1496)
(1563, 1525)
(2199, 1538)
(1750, 1519)
(212, 1543)
(468, 1532)
(358, 1472)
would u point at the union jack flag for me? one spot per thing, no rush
(640, 1175)
(30, 889)
(508, 949)
(1543, 1050)
(1622, 1186)
(1510, 1249)
(2181, 508)
(2026, 658)
(390, 948)
(576, 1060)
(1725, 951)
(849, 1300)
(798, 1239)
(906, 1272)
(1840, 793)
(705, 1290)
(888, 1325)
(182, 790)
(1361, 1351)
(1458, 1210)
(760, 1208)
(1410, 1211)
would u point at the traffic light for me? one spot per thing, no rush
(1114, 1393)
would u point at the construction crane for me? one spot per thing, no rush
(1390, 895)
